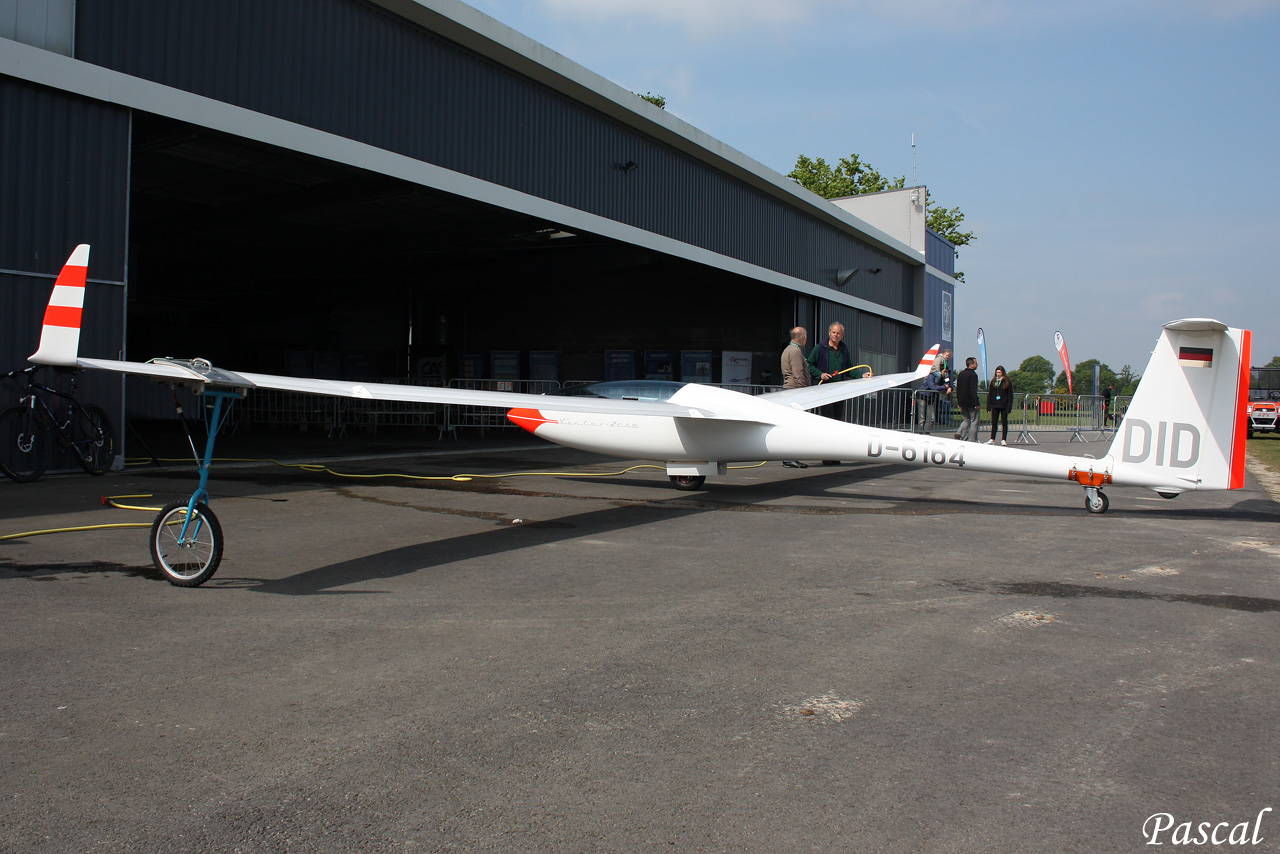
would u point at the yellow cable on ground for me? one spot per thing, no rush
(111, 500)
(72, 530)
(320, 468)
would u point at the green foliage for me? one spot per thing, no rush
(1032, 376)
(657, 100)
(1125, 383)
(947, 223)
(1274, 363)
(1036, 373)
(849, 177)
(852, 177)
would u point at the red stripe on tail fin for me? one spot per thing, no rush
(1236, 478)
(62, 315)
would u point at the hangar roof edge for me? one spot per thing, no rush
(489, 37)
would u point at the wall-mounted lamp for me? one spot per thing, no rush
(843, 277)
(875, 271)
(629, 166)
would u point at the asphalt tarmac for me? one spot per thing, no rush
(838, 659)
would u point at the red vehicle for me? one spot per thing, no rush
(1262, 416)
(1264, 400)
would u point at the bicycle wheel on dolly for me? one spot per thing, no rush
(186, 543)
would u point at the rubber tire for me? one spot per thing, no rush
(94, 441)
(1101, 506)
(18, 428)
(165, 547)
(687, 482)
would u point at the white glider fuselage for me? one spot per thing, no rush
(750, 428)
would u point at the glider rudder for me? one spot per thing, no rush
(60, 336)
(1184, 429)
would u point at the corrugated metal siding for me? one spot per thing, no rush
(22, 304)
(64, 170)
(939, 253)
(64, 165)
(346, 68)
(47, 24)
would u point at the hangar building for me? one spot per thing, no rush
(407, 188)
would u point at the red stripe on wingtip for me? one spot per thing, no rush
(72, 276)
(1242, 428)
(529, 419)
(62, 315)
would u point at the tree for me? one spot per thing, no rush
(852, 177)
(1082, 376)
(1274, 363)
(849, 177)
(657, 100)
(1126, 381)
(1032, 376)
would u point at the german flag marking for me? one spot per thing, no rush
(1195, 357)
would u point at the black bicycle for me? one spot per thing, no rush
(44, 414)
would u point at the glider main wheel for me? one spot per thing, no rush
(1097, 505)
(22, 444)
(92, 440)
(191, 560)
(688, 482)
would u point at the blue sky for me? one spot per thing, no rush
(1119, 161)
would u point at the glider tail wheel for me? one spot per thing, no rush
(688, 482)
(186, 551)
(1095, 501)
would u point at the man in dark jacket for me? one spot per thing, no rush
(831, 358)
(829, 362)
(931, 390)
(967, 400)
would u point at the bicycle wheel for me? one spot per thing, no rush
(186, 561)
(22, 444)
(92, 440)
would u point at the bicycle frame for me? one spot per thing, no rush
(31, 396)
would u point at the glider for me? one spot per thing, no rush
(1182, 432)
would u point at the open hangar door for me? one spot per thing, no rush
(261, 259)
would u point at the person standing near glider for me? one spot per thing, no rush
(795, 372)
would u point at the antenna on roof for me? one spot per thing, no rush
(915, 180)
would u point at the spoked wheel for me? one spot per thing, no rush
(688, 481)
(92, 440)
(1098, 504)
(22, 444)
(190, 560)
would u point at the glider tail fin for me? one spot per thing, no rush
(1185, 428)
(926, 361)
(60, 337)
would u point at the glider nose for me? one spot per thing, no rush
(529, 419)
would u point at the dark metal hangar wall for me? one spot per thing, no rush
(240, 251)
(355, 70)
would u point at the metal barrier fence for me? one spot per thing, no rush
(1031, 413)
(488, 417)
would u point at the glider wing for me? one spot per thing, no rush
(821, 395)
